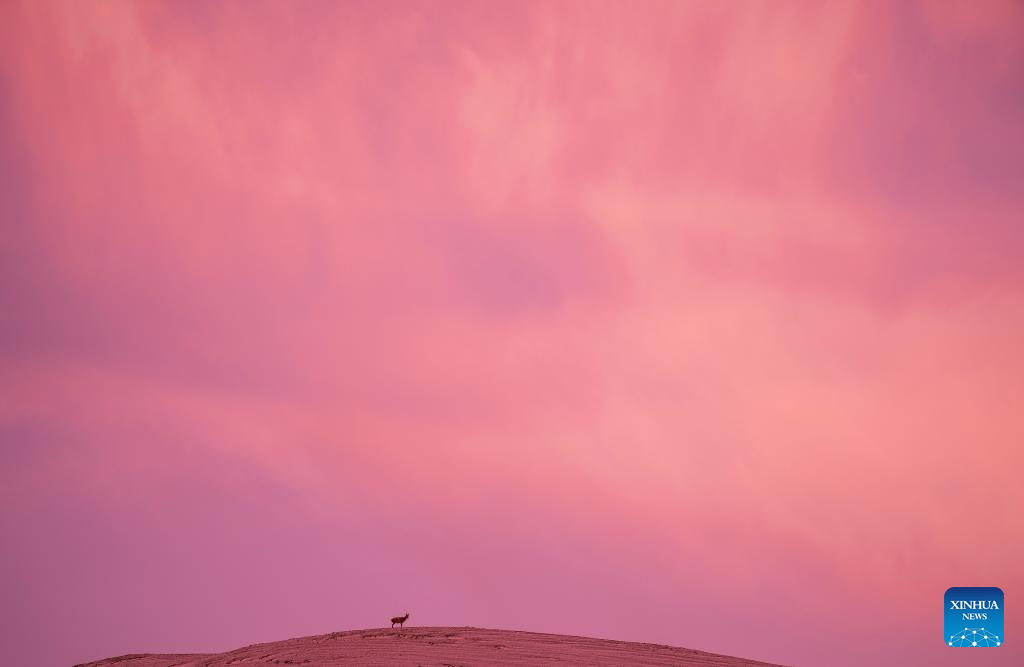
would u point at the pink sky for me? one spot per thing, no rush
(692, 323)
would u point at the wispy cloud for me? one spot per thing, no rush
(698, 305)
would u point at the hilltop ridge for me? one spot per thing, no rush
(441, 647)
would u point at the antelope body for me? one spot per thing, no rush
(399, 619)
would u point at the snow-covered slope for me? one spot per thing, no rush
(438, 647)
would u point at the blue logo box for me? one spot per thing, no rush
(974, 617)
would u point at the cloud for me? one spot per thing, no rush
(630, 294)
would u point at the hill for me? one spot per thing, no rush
(440, 647)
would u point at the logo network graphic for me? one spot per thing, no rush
(974, 617)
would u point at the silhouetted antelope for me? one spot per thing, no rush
(400, 620)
